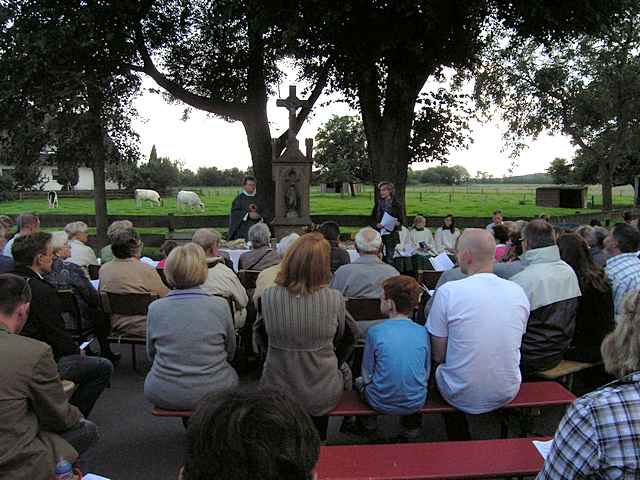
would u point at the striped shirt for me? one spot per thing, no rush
(599, 435)
(624, 273)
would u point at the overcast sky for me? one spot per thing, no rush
(208, 141)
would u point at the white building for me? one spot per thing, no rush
(85, 178)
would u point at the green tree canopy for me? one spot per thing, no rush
(561, 171)
(382, 53)
(341, 150)
(588, 89)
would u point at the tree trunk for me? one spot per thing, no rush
(259, 138)
(352, 186)
(96, 136)
(388, 134)
(606, 179)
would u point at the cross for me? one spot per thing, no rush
(291, 103)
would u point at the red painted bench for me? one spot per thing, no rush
(438, 460)
(531, 395)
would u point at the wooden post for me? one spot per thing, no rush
(171, 225)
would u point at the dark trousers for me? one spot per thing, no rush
(322, 425)
(102, 329)
(457, 426)
(390, 241)
(84, 439)
(91, 374)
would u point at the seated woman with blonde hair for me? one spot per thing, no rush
(190, 336)
(309, 332)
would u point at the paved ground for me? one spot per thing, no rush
(135, 445)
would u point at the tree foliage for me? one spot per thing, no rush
(588, 89)
(63, 74)
(222, 57)
(443, 175)
(561, 171)
(341, 150)
(383, 53)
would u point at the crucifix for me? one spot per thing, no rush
(291, 103)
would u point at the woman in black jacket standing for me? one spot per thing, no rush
(390, 205)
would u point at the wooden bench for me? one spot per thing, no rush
(434, 460)
(565, 371)
(531, 395)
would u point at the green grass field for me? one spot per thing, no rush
(468, 201)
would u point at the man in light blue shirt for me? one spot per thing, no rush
(397, 359)
(623, 265)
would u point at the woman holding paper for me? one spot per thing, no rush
(388, 217)
(447, 236)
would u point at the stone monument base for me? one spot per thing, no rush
(281, 227)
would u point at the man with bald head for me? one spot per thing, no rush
(476, 326)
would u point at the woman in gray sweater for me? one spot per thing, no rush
(308, 331)
(190, 336)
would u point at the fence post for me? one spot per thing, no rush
(450, 197)
(421, 196)
(171, 225)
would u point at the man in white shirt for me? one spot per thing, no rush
(476, 326)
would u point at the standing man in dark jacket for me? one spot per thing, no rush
(553, 291)
(244, 212)
(388, 204)
(34, 256)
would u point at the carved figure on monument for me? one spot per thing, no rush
(292, 197)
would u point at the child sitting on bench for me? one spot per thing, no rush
(397, 360)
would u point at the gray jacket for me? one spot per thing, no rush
(191, 340)
(363, 277)
(553, 291)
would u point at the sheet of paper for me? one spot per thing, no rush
(543, 447)
(388, 224)
(442, 263)
(93, 476)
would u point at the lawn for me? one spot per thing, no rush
(469, 201)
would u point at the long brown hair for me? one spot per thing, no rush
(305, 268)
(575, 251)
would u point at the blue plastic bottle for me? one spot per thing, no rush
(64, 470)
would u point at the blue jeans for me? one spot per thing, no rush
(91, 374)
(84, 439)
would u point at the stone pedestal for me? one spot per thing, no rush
(292, 176)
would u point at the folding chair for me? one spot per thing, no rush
(127, 304)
